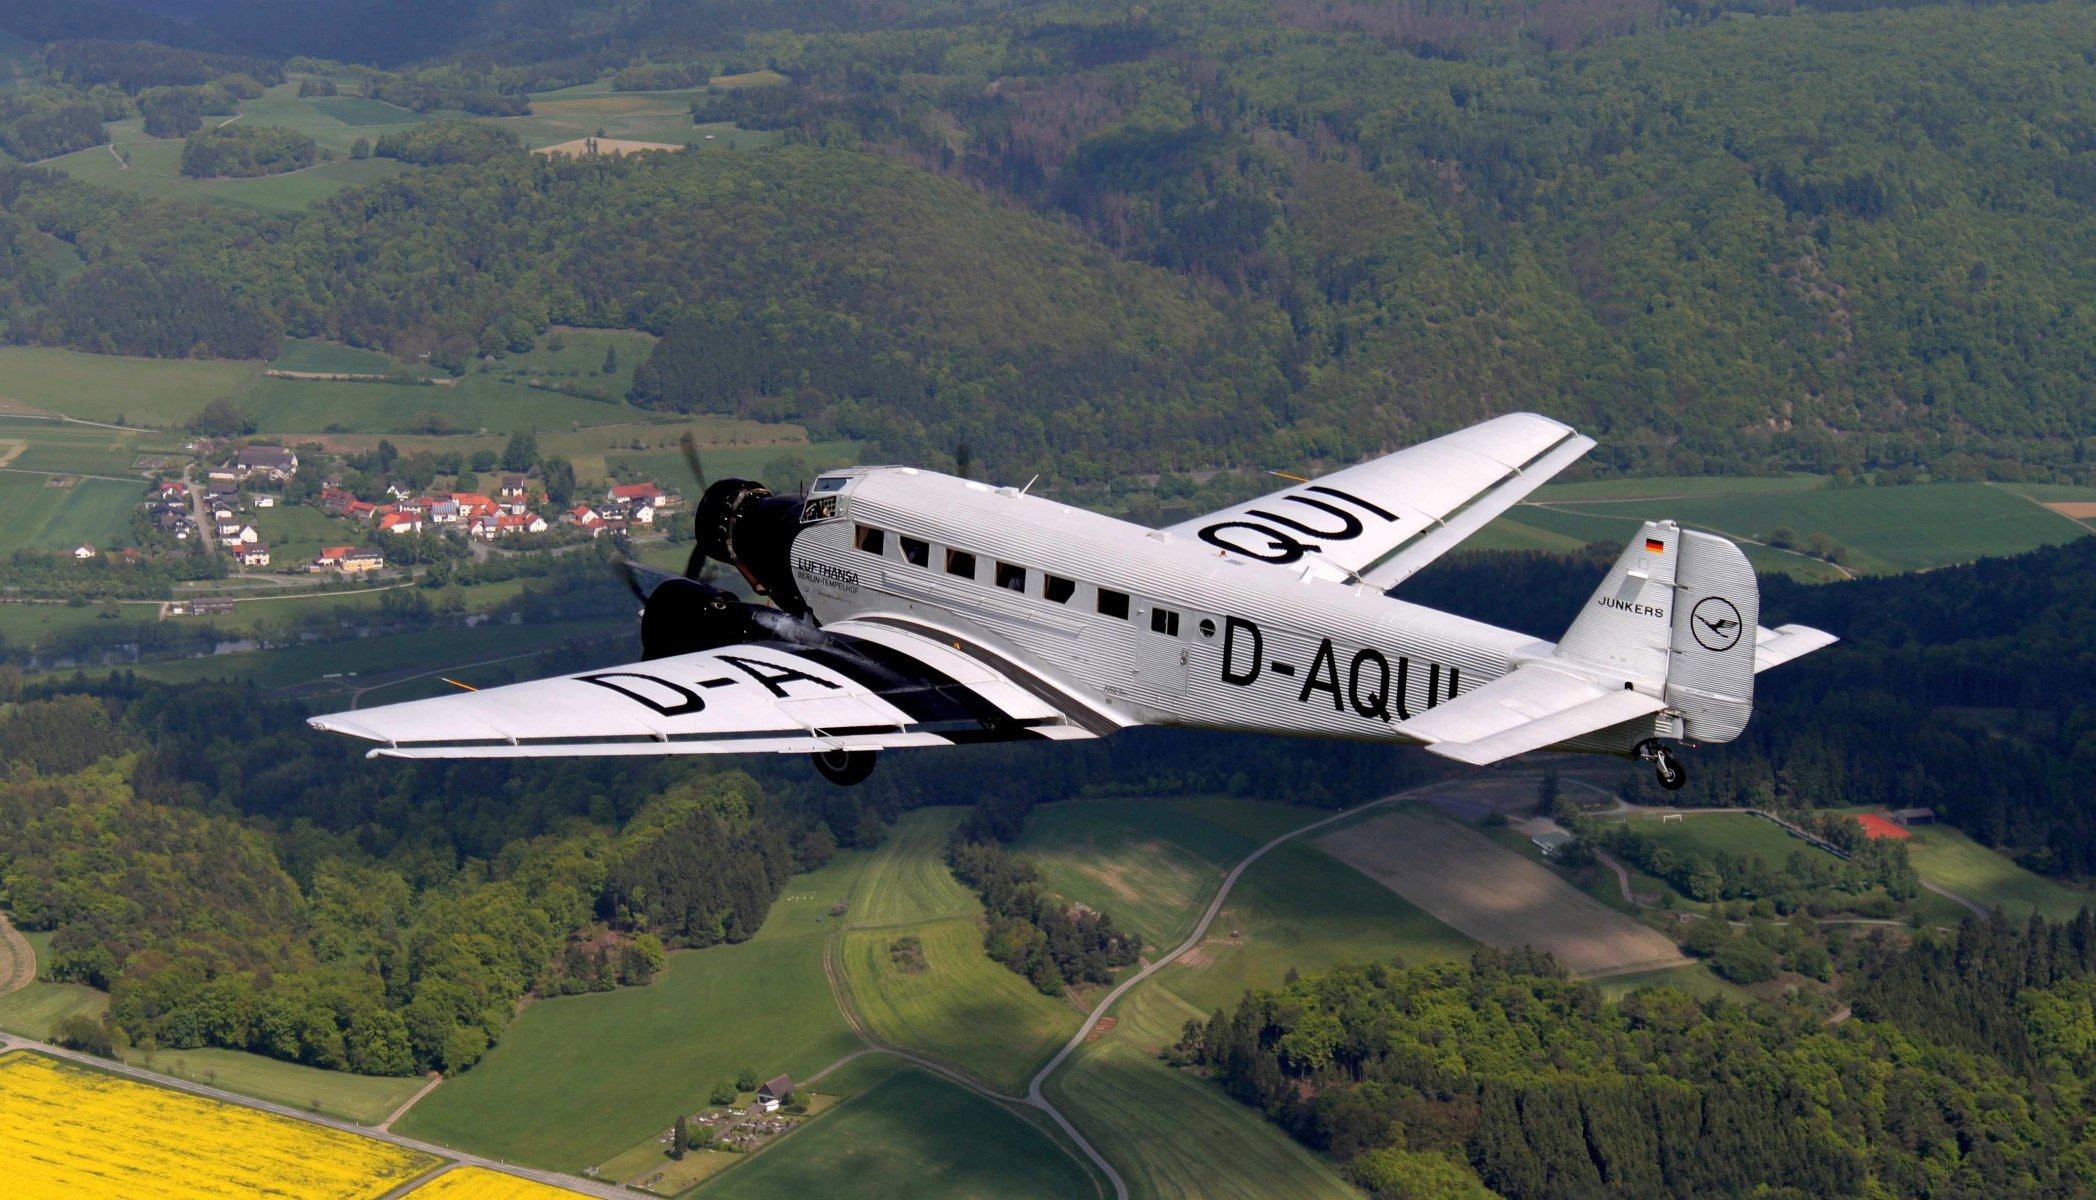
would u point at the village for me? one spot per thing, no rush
(231, 507)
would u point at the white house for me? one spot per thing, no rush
(83, 550)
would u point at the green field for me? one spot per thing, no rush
(152, 167)
(907, 880)
(577, 1080)
(157, 392)
(580, 112)
(1737, 833)
(1696, 980)
(476, 402)
(1948, 858)
(1887, 529)
(40, 517)
(296, 533)
(580, 360)
(1299, 907)
(331, 358)
(42, 445)
(1151, 864)
(963, 1008)
(1171, 1134)
(913, 1137)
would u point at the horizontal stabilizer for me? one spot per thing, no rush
(1534, 707)
(1774, 647)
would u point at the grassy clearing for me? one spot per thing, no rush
(36, 1010)
(1172, 1135)
(582, 1078)
(908, 881)
(1887, 529)
(572, 113)
(40, 517)
(296, 533)
(64, 448)
(1696, 980)
(313, 354)
(152, 168)
(579, 362)
(158, 392)
(1948, 858)
(913, 1137)
(962, 1007)
(476, 402)
(804, 910)
(1736, 833)
(1299, 907)
(1149, 863)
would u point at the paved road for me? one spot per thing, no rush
(444, 1153)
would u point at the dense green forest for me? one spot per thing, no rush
(1962, 1075)
(1258, 235)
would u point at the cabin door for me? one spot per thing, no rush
(1160, 646)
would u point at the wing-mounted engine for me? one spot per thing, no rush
(740, 521)
(682, 616)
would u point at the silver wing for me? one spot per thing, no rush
(1385, 519)
(853, 687)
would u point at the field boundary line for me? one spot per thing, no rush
(2086, 526)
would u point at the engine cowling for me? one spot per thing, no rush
(740, 521)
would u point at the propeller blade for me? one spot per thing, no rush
(691, 458)
(623, 568)
(695, 567)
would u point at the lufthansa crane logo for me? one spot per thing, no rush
(1715, 622)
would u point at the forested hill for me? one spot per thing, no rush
(1720, 243)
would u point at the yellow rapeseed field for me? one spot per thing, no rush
(67, 1132)
(479, 1183)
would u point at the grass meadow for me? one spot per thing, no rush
(578, 1079)
(962, 1007)
(40, 517)
(1946, 857)
(1173, 1135)
(1886, 530)
(907, 880)
(1149, 863)
(157, 392)
(1737, 833)
(914, 1136)
(1299, 907)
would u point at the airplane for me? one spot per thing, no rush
(909, 608)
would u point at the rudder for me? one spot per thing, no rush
(1710, 681)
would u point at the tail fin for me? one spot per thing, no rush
(1678, 613)
(1717, 615)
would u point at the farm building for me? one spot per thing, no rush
(1913, 816)
(1553, 843)
(255, 555)
(276, 462)
(775, 1092)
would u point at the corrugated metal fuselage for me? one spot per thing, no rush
(1209, 640)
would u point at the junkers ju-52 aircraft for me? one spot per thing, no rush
(910, 609)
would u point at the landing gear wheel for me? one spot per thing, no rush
(847, 767)
(1671, 773)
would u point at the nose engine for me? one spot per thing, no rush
(740, 521)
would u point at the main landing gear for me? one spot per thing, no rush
(1669, 769)
(847, 767)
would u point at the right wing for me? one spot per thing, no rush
(1387, 518)
(855, 687)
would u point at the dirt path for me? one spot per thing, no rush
(434, 1079)
(17, 958)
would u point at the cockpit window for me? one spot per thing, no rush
(829, 483)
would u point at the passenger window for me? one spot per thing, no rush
(1113, 603)
(1058, 589)
(960, 562)
(872, 541)
(1164, 621)
(916, 553)
(1009, 576)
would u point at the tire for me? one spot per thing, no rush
(844, 767)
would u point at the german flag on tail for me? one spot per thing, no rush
(1655, 546)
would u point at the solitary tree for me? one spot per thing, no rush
(611, 359)
(746, 1080)
(522, 453)
(681, 1138)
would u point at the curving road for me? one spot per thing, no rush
(1036, 1097)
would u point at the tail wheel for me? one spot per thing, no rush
(844, 767)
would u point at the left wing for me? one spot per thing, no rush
(854, 686)
(1385, 519)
